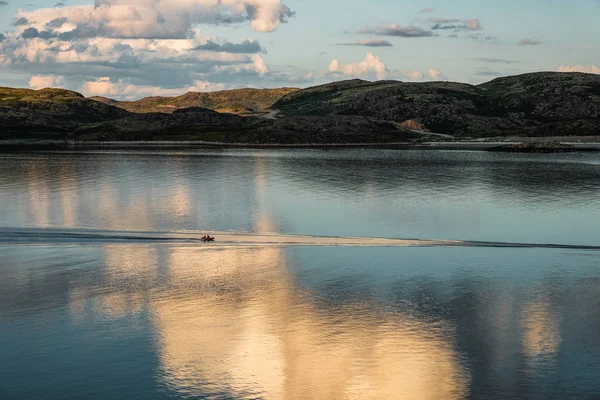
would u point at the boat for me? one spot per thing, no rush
(208, 238)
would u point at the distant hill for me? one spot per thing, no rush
(239, 101)
(537, 104)
(58, 103)
(354, 111)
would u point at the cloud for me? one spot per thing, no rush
(30, 33)
(41, 82)
(145, 46)
(456, 24)
(20, 21)
(431, 74)
(167, 19)
(473, 24)
(399, 31)
(161, 63)
(413, 75)
(436, 75)
(444, 20)
(528, 42)
(56, 23)
(592, 69)
(123, 89)
(440, 26)
(492, 60)
(259, 65)
(370, 66)
(248, 46)
(427, 10)
(368, 43)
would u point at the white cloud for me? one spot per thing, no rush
(473, 24)
(259, 65)
(150, 44)
(371, 65)
(50, 81)
(430, 74)
(592, 69)
(112, 51)
(456, 24)
(435, 75)
(413, 75)
(123, 89)
(152, 18)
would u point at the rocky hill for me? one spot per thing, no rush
(538, 104)
(354, 111)
(56, 114)
(239, 101)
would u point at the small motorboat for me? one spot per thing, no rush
(207, 238)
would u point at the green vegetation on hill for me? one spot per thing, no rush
(239, 101)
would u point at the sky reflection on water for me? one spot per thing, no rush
(514, 198)
(160, 321)
(294, 323)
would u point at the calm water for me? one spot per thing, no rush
(123, 320)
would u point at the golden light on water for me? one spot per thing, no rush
(251, 332)
(542, 332)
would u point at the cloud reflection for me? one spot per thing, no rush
(542, 333)
(236, 320)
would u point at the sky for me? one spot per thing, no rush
(128, 49)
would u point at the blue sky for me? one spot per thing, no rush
(134, 48)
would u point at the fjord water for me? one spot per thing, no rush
(127, 320)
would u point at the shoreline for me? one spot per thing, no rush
(456, 145)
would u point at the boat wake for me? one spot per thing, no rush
(225, 239)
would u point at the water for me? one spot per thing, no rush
(131, 318)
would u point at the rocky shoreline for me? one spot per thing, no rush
(541, 147)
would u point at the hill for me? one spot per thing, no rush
(49, 113)
(353, 111)
(239, 101)
(537, 104)
(57, 114)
